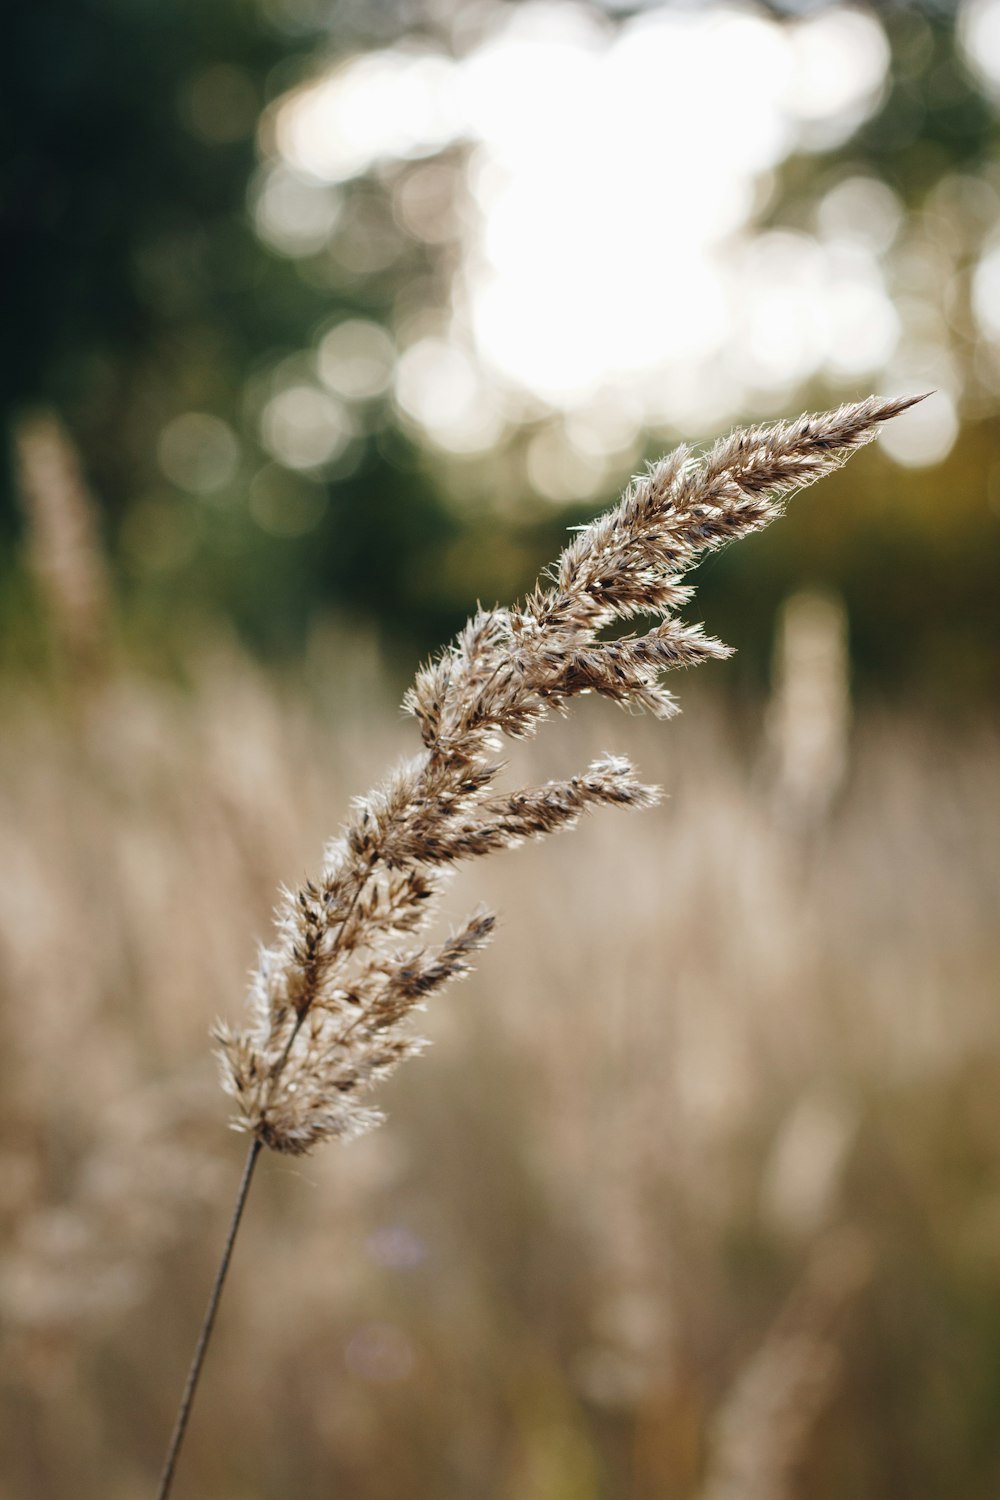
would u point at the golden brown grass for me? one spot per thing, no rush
(664, 1145)
(630, 1139)
(331, 999)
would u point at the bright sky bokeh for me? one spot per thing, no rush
(608, 271)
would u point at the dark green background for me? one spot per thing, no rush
(134, 288)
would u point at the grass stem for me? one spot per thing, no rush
(198, 1359)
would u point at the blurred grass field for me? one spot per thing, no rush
(696, 1195)
(323, 311)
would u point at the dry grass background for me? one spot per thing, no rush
(696, 1195)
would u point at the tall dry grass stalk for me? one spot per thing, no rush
(809, 718)
(333, 997)
(761, 1431)
(64, 548)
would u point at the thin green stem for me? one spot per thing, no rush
(198, 1359)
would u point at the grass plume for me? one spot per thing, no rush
(332, 997)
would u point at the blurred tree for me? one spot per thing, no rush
(137, 292)
(128, 255)
(154, 300)
(916, 552)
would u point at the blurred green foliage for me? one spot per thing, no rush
(137, 290)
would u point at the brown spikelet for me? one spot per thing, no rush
(332, 997)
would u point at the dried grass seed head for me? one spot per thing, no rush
(332, 998)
